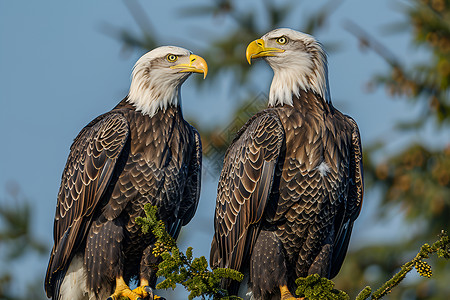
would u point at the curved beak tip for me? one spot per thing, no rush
(200, 65)
(205, 70)
(255, 47)
(249, 58)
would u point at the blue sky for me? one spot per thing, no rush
(58, 71)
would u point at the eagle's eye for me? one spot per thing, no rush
(282, 40)
(171, 57)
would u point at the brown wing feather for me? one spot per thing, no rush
(354, 200)
(191, 193)
(356, 169)
(244, 187)
(192, 189)
(87, 173)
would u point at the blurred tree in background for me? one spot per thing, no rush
(16, 243)
(416, 179)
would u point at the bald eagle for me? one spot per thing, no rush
(292, 180)
(142, 151)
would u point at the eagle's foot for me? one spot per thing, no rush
(119, 294)
(286, 295)
(147, 293)
(139, 293)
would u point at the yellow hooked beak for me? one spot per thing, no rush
(196, 65)
(257, 49)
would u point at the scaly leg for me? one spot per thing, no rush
(286, 295)
(146, 291)
(148, 269)
(122, 290)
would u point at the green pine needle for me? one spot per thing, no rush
(364, 294)
(192, 273)
(441, 247)
(179, 268)
(315, 287)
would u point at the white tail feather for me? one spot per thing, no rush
(74, 285)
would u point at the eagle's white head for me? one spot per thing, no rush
(298, 62)
(158, 75)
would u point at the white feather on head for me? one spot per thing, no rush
(154, 85)
(302, 66)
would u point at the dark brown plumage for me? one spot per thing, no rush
(289, 192)
(119, 162)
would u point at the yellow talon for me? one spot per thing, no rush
(122, 290)
(141, 292)
(144, 290)
(286, 295)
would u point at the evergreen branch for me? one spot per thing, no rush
(179, 268)
(315, 287)
(441, 246)
(364, 294)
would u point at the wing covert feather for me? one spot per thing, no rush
(244, 188)
(191, 193)
(89, 167)
(193, 185)
(354, 199)
(356, 169)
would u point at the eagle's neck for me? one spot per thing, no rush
(149, 101)
(303, 73)
(151, 92)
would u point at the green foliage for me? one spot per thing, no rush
(364, 294)
(193, 273)
(179, 268)
(314, 287)
(441, 247)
